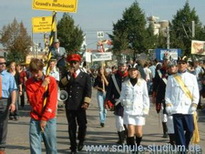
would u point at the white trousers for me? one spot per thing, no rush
(163, 116)
(119, 123)
(170, 124)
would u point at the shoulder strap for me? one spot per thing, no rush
(115, 83)
(183, 86)
(160, 75)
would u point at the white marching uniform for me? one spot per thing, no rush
(119, 123)
(136, 103)
(175, 97)
(181, 98)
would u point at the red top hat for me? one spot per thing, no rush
(74, 57)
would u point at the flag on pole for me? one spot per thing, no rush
(51, 39)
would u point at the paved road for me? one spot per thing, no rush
(18, 142)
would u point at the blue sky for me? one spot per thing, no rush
(96, 15)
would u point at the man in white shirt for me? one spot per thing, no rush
(148, 74)
(53, 70)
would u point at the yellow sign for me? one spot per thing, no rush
(56, 5)
(42, 24)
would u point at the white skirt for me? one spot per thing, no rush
(136, 120)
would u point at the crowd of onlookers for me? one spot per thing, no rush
(100, 79)
(148, 70)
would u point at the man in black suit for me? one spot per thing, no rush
(78, 86)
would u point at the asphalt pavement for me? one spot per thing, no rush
(99, 139)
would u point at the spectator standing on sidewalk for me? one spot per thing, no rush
(23, 78)
(135, 100)
(78, 86)
(42, 95)
(101, 83)
(148, 74)
(53, 70)
(7, 89)
(13, 70)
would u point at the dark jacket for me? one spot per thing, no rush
(112, 93)
(159, 85)
(79, 90)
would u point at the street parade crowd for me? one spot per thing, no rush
(176, 88)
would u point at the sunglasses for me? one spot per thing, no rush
(4, 63)
(181, 63)
(73, 62)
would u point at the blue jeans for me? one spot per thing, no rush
(49, 137)
(101, 106)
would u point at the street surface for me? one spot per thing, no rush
(18, 141)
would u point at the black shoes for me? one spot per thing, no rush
(102, 124)
(16, 118)
(73, 152)
(165, 136)
(11, 118)
(80, 146)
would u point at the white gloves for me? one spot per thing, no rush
(145, 112)
(68, 77)
(169, 109)
(193, 108)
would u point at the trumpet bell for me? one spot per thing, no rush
(62, 95)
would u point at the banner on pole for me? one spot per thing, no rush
(101, 56)
(88, 56)
(43, 24)
(172, 53)
(198, 47)
(56, 5)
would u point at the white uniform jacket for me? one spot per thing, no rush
(135, 99)
(176, 98)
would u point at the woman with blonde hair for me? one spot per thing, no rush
(101, 83)
(135, 100)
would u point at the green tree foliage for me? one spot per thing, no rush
(119, 37)
(16, 41)
(70, 36)
(161, 41)
(151, 39)
(131, 32)
(181, 29)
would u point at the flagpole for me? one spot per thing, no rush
(51, 40)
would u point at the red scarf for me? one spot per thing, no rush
(122, 74)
